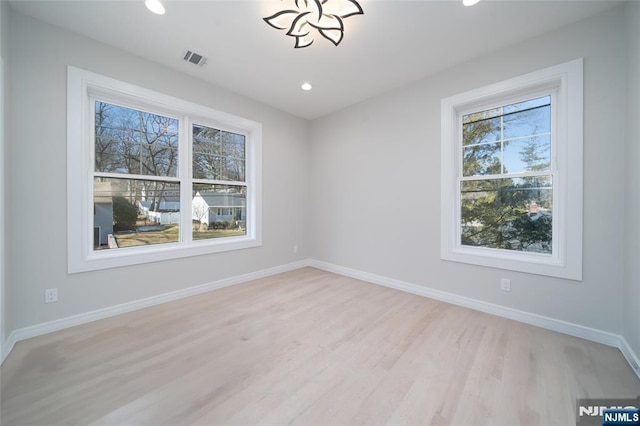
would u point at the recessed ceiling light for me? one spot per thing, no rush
(469, 2)
(306, 86)
(155, 6)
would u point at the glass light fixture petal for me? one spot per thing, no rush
(303, 41)
(281, 20)
(300, 26)
(328, 22)
(335, 36)
(349, 8)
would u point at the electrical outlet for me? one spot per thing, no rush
(51, 295)
(505, 284)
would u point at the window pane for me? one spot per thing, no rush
(511, 214)
(135, 142)
(485, 130)
(219, 211)
(481, 159)
(218, 155)
(527, 155)
(233, 151)
(526, 123)
(516, 140)
(482, 115)
(129, 212)
(533, 103)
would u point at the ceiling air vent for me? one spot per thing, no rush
(194, 58)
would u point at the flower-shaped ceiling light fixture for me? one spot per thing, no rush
(326, 16)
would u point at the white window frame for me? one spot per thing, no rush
(564, 82)
(82, 87)
(3, 233)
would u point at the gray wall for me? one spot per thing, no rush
(377, 165)
(632, 180)
(37, 260)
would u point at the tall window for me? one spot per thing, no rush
(512, 171)
(152, 177)
(506, 187)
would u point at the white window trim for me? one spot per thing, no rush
(566, 82)
(3, 234)
(81, 85)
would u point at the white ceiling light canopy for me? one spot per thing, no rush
(306, 86)
(469, 2)
(325, 16)
(155, 6)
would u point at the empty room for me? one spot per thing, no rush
(319, 212)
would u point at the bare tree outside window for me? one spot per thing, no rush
(218, 155)
(129, 144)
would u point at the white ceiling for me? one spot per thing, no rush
(395, 42)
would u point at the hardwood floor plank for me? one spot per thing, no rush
(306, 347)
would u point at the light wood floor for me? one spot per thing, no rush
(306, 347)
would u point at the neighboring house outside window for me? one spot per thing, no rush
(103, 213)
(512, 174)
(140, 162)
(232, 214)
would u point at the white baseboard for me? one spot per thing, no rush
(61, 324)
(6, 347)
(588, 333)
(631, 357)
(560, 326)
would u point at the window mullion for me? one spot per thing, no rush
(559, 186)
(89, 170)
(219, 182)
(502, 140)
(136, 177)
(185, 173)
(459, 177)
(507, 175)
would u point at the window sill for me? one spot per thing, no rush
(531, 263)
(115, 258)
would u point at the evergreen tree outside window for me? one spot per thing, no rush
(507, 186)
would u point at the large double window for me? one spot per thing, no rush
(152, 177)
(512, 174)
